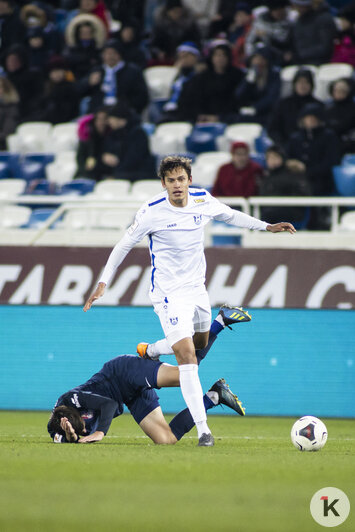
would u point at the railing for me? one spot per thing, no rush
(249, 206)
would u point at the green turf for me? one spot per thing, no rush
(252, 480)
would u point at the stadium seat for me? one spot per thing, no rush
(63, 169)
(203, 137)
(78, 187)
(112, 189)
(348, 159)
(328, 73)
(39, 217)
(145, 189)
(170, 138)
(11, 188)
(243, 132)
(344, 179)
(149, 128)
(12, 216)
(287, 75)
(5, 170)
(115, 219)
(11, 160)
(41, 187)
(347, 221)
(159, 80)
(205, 168)
(64, 137)
(32, 166)
(78, 219)
(31, 137)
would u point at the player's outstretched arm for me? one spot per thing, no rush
(280, 227)
(99, 292)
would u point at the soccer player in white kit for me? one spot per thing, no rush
(174, 221)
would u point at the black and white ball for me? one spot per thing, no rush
(309, 434)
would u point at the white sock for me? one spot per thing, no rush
(214, 397)
(192, 393)
(220, 320)
(161, 347)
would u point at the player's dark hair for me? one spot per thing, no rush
(171, 162)
(73, 417)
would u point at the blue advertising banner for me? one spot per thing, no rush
(284, 362)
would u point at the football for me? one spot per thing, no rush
(309, 434)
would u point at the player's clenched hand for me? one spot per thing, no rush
(95, 295)
(68, 429)
(95, 436)
(280, 227)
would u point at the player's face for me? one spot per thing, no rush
(177, 185)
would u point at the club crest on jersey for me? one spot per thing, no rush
(200, 200)
(174, 321)
(198, 219)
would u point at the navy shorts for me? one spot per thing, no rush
(137, 377)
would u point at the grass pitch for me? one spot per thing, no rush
(252, 480)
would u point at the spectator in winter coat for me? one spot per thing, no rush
(340, 113)
(174, 24)
(259, 90)
(283, 178)
(92, 7)
(238, 33)
(344, 45)
(126, 150)
(9, 110)
(272, 28)
(61, 102)
(12, 30)
(114, 81)
(284, 118)
(318, 147)
(91, 147)
(131, 46)
(313, 34)
(241, 177)
(210, 95)
(40, 15)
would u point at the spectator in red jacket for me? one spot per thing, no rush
(240, 177)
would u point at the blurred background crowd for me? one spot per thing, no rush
(86, 61)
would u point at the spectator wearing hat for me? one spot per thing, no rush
(344, 46)
(210, 95)
(284, 118)
(259, 90)
(126, 149)
(9, 110)
(37, 50)
(115, 80)
(283, 178)
(272, 28)
(92, 132)
(238, 32)
(85, 35)
(12, 30)
(312, 35)
(187, 59)
(317, 147)
(240, 177)
(27, 82)
(174, 24)
(340, 113)
(39, 15)
(61, 100)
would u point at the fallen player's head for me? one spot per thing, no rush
(73, 417)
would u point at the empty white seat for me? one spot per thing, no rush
(117, 218)
(82, 219)
(206, 166)
(347, 221)
(328, 73)
(10, 188)
(65, 156)
(159, 80)
(145, 189)
(98, 218)
(30, 137)
(112, 188)
(14, 216)
(243, 132)
(288, 73)
(64, 137)
(170, 138)
(61, 172)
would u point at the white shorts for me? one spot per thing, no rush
(181, 316)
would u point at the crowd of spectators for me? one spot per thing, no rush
(68, 59)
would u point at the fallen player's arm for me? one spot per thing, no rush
(95, 436)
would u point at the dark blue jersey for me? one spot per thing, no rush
(126, 379)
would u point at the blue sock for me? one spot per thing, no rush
(183, 422)
(215, 329)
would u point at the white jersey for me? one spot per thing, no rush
(176, 237)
